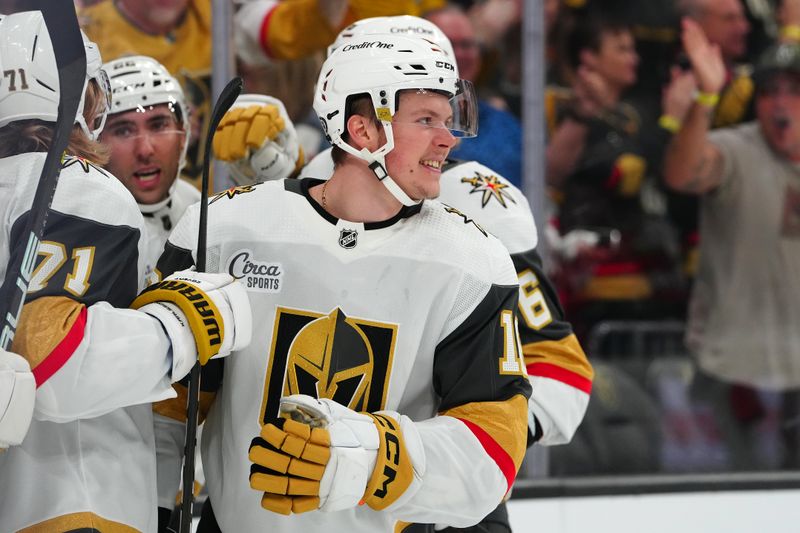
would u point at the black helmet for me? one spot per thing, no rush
(784, 57)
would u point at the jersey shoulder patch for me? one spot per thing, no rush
(79, 163)
(464, 218)
(232, 193)
(470, 178)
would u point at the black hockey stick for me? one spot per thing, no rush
(224, 102)
(62, 25)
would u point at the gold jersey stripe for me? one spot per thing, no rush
(565, 353)
(505, 422)
(74, 521)
(43, 325)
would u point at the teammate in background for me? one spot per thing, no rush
(177, 34)
(97, 363)
(559, 371)
(413, 314)
(147, 133)
(17, 396)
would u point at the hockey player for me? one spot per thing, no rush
(379, 301)
(97, 366)
(559, 371)
(147, 131)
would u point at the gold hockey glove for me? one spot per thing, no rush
(322, 455)
(204, 315)
(257, 139)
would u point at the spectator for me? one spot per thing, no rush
(745, 304)
(499, 145)
(598, 159)
(276, 29)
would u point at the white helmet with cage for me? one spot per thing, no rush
(141, 82)
(402, 25)
(30, 89)
(381, 66)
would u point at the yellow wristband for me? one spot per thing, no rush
(790, 32)
(706, 99)
(669, 123)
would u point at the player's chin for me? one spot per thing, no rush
(430, 190)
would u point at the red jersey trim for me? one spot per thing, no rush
(265, 30)
(546, 370)
(495, 451)
(62, 352)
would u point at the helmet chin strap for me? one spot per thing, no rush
(377, 163)
(154, 208)
(379, 170)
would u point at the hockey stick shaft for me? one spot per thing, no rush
(62, 25)
(224, 102)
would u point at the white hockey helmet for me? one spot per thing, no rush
(30, 90)
(140, 82)
(403, 25)
(381, 66)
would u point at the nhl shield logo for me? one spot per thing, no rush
(348, 238)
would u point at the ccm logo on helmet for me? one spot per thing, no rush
(445, 65)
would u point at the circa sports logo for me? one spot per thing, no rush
(256, 275)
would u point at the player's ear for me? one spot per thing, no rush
(363, 132)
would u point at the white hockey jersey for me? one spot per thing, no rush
(414, 314)
(559, 370)
(560, 373)
(87, 461)
(159, 221)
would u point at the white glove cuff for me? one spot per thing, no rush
(184, 349)
(17, 398)
(416, 452)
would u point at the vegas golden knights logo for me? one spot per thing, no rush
(333, 356)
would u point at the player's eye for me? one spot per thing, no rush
(160, 125)
(122, 132)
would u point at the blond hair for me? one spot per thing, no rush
(36, 135)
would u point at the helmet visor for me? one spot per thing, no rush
(465, 110)
(104, 86)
